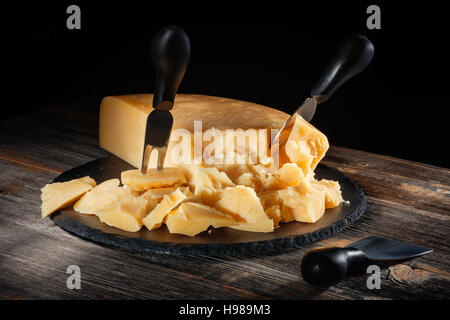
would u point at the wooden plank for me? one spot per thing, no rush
(46, 252)
(407, 201)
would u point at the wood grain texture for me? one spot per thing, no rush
(408, 201)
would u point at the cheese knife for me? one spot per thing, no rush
(327, 266)
(352, 57)
(170, 50)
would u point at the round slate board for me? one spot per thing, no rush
(219, 241)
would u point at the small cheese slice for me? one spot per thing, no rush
(243, 204)
(58, 195)
(305, 146)
(169, 202)
(153, 178)
(127, 213)
(192, 218)
(101, 196)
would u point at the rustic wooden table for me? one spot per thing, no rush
(406, 200)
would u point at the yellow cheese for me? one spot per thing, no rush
(123, 120)
(153, 178)
(127, 213)
(243, 203)
(257, 177)
(169, 202)
(290, 175)
(206, 182)
(274, 208)
(101, 196)
(250, 195)
(192, 218)
(61, 194)
(158, 193)
(304, 202)
(333, 196)
(306, 146)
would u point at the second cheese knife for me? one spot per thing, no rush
(171, 51)
(327, 266)
(352, 57)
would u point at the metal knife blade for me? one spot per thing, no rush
(306, 111)
(385, 249)
(157, 134)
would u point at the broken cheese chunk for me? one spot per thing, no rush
(305, 146)
(290, 175)
(333, 196)
(58, 195)
(192, 218)
(127, 213)
(101, 196)
(169, 202)
(304, 202)
(206, 182)
(158, 193)
(153, 178)
(243, 203)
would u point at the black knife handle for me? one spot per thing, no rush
(352, 57)
(327, 266)
(171, 50)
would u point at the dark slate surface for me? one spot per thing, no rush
(220, 241)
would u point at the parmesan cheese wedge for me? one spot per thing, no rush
(123, 121)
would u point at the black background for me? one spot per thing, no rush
(265, 52)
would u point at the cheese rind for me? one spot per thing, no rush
(58, 195)
(192, 218)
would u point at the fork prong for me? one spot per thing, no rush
(145, 159)
(161, 157)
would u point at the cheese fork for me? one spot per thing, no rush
(171, 50)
